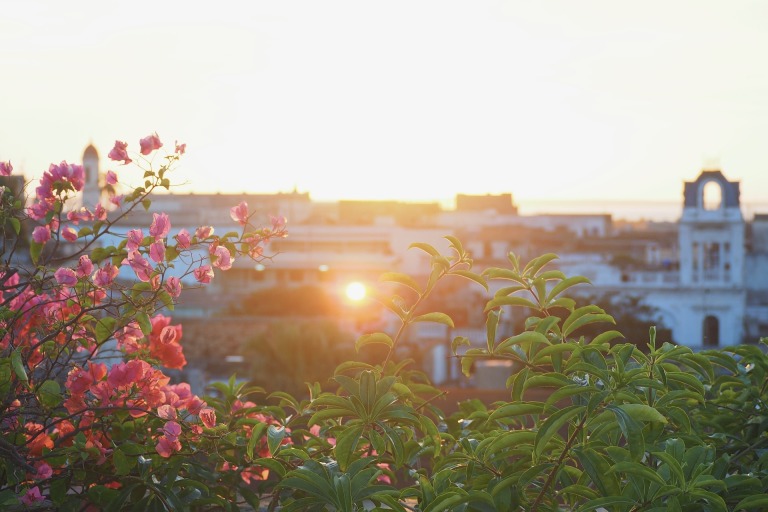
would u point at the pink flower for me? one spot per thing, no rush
(203, 274)
(171, 429)
(32, 496)
(167, 412)
(84, 266)
(44, 471)
(180, 148)
(150, 143)
(116, 200)
(203, 232)
(208, 417)
(41, 234)
(173, 286)
(100, 213)
(168, 334)
(239, 213)
(123, 375)
(5, 168)
(65, 277)
(223, 258)
(119, 152)
(166, 446)
(111, 178)
(134, 240)
(278, 223)
(105, 275)
(183, 239)
(157, 251)
(141, 266)
(161, 225)
(69, 234)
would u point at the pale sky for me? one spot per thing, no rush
(414, 100)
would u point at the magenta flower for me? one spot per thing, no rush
(119, 152)
(157, 251)
(150, 143)
(65, 277)
(135, 237)
(222, 258)
(161, 225)
(208, 417)
(203, 274)
(203, 232)
(239, 213)
(180, 148)
(32, 496)
(167, 412)
(41, 234)
(111, 178)
(183, 239)
(84, 266)
(69, 234)
(173, 286)
(141, 266)
(5, 168)
(105, 275)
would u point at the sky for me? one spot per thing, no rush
(598, 101)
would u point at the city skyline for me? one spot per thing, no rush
(409, 101)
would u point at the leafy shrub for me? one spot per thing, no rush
(591, 423)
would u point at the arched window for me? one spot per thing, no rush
(711, 333)
(712, 196)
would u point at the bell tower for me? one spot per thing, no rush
(94, 181)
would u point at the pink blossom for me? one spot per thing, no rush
(208, 417)
(5, 168)
(165, 446)
(41, 234)
(111, 178)
(223, 258)
(203, 232)
(203, 274)
(239, 213)
(157, 251)
(180, 148)
(141, 266)
(119, 152)
(44, 471)
(32, 496)
(84, 266)
(105, 275)
(134, 239)
(167, 412)
(116, 200)
(183, 239)
(150, 143)
(81, 215)
(65, 277)
(161, 225)
(122, 375)
(278, 223)
(69, 234)
(173, 286)
(99, 212)
(168, 334)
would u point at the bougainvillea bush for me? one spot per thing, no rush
(91, 421)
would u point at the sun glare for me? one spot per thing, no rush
(356, 291)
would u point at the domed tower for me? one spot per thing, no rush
(712, 254)
(94, 181)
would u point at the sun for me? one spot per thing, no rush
(356, 291)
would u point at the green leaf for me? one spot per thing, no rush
(537, 264)
(471, 276)
(440, 318)
(18, 366)
(459, 341)
(524, 339)
(35, 249)
(49, 393)
(257, 431)
(606, 503)
(275, 436)
(638, 470)
(104, 329)
(510, 301)
(565, 284)
(424, 247)
(552, 425)
(346, 444)
(122, 463)
(144, 323)
(456, 244)
(642, 412)
(375, 338)
(403, 279)
(759, 501)
(16, 223)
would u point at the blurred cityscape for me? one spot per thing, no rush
(702, 280)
